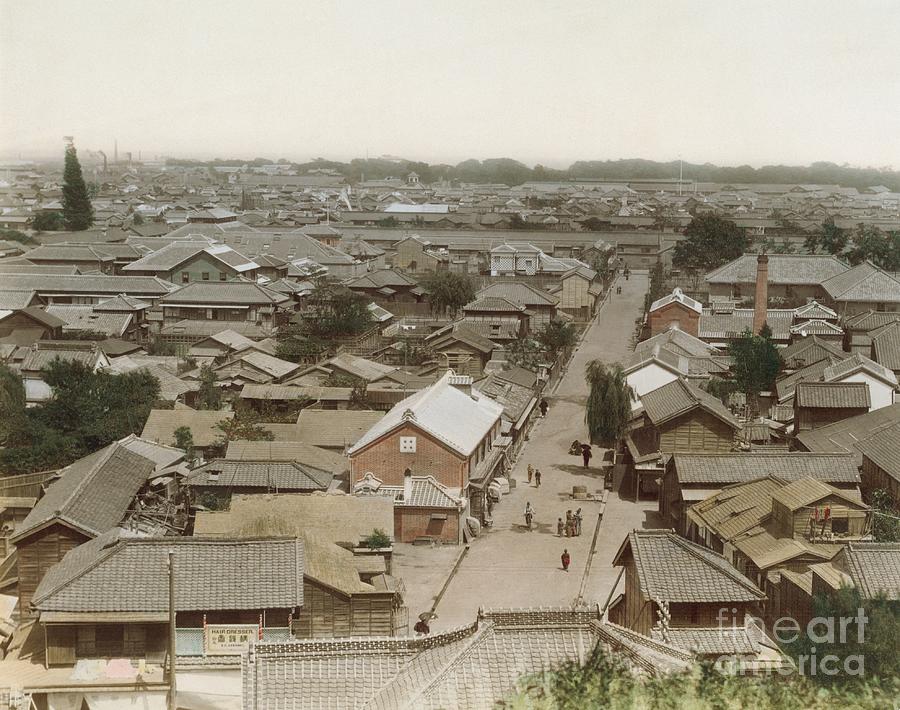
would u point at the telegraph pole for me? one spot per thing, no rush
(172, 689)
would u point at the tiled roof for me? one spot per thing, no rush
(886, 345)
(809, 350)
(383, 278)
(786, 385)
(679, 397)
(121, 304)
(815, 310)
(805, 491)
(273, 475)
(826, 395)
(494, 304)
(874, 568)
(817, 326)
(716, 641)
(869, 320)
(864, 283)
(717, 326)
(677, 296)
(94, 284)
(85, 318)
(794, 269)
(679, 342)
(737, 507)
(14, 299)
(469, 668)
(519, 293)
(672, 569)
(883, 449)
(661, 356)
(118, 573)
(178, 252)
(425, 492)
(361, 367)
(463, 332)
(42, 353)
(858, 362)
(93, 494)
(222, 293)
(847, 434)
(458, 420)
(722, 469)
(314, 456)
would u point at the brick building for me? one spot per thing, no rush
(675, 311)
(446, 431)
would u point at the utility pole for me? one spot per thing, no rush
(172, 688)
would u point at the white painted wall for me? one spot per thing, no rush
(880, 394)
(647, 379)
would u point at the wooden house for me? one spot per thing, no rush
(693, 477)
(579, 293)
(460, 349)
(90, 497)
(677, 417)
(668, 577)
(881, 462)
(818, 404)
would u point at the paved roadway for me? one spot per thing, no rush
(508, 566)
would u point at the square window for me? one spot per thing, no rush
(223, 276)
(185, 277)
(205, 276)
(840, 526)
(407, 444)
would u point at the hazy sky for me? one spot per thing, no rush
(722, 81)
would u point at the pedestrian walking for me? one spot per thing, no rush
(586, 454)
(537, 478)
(578, 518)
(565, 560)
(559, 527)
(530, 473)
(529, 514)
(544, 405)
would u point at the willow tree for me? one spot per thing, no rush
(609, 403)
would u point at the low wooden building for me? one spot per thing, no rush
(881, 462)
(91, 496)
(677, 417)
(818, 404)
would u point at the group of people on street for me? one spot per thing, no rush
(587, 453)
(535, 475)
(572, 525)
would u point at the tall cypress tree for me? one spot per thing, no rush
(77, 209)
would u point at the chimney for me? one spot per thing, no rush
(761, 302)
(407, 486)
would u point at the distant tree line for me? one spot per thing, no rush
(512, 172)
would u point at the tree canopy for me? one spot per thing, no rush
(77, 210)
(755, 362)
(209, 396)
(609, 403)
(709, 242)
(448, 291)
(829, 238)
(87, 411)
(48, 222)
(557, 336)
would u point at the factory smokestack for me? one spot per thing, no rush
(761, 302)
